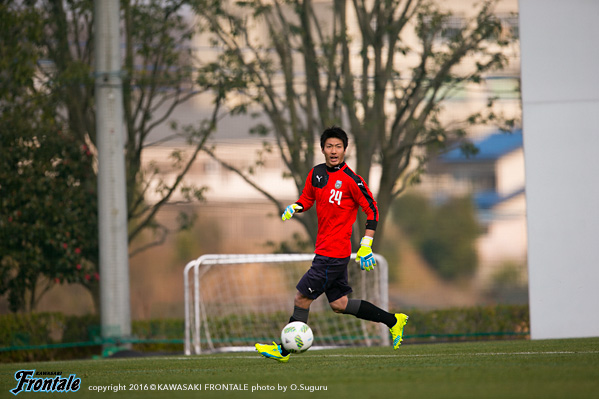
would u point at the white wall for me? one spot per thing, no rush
(560, 93)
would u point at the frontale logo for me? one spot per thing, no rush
(27, 382)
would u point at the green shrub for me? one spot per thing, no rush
(468, 323)
(53, 336)
(445, 233)
(41, 337)
(162, 335)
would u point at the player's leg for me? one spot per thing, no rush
(337, 290)
(363, 310)
(309, 288)
(301, 308)
(367, 311)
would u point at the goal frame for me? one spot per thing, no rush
(199, 266)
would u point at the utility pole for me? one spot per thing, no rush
(112, 191)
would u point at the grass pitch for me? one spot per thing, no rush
(497, 369)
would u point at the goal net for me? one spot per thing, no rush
(234, 301)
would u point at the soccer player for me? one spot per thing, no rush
(337, 192)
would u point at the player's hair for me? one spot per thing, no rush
(333, 131)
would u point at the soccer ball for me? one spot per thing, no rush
(297, 337)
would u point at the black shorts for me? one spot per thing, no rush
(327, 275)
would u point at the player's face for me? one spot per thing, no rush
(334, 152)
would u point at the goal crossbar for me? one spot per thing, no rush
(201, 265)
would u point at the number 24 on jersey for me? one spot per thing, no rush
(335, 196)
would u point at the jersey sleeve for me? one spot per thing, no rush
(367, 203)
(307, 198)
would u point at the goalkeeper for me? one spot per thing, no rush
(337, 192)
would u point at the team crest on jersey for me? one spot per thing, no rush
(338, 184)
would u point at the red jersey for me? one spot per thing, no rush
(337, 192)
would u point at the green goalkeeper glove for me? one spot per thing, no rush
(290, 210)
(364, 255)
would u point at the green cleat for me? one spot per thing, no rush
(397, 329)
(272, 352)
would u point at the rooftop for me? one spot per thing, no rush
(490, 148)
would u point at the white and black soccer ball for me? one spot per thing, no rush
(297, 337)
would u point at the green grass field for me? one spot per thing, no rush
(496, 369)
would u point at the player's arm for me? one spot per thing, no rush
(365, 199)
(291, 210)
(365, 256)
(304, 203)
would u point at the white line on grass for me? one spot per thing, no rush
(473, 354)
(219, 356)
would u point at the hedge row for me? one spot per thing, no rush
(54, 336)
(469, 323)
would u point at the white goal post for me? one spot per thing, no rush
(233, 301)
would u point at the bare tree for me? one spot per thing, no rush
(310, 65)
(159, 70)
